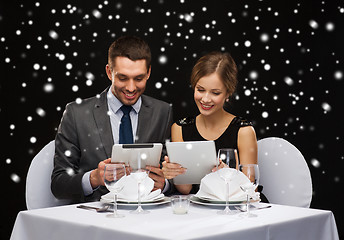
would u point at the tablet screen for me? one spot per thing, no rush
(129, 153)
(198, 157)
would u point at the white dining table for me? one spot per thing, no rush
(202, 222)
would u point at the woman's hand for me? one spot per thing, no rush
(221, 165)
(171, 170)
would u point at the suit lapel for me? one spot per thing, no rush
(144, 118)
(103, 123)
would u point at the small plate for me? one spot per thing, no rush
(215, 202)
(158, 201)
(109, 198)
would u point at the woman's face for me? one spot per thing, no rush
(210, 94)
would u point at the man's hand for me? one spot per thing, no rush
(172, 170)
(157, 175)
(97, 175)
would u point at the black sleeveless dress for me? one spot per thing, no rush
(229, 139)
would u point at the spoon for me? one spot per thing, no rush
(101, 209)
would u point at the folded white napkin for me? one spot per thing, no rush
(213, 187)
(127, 190)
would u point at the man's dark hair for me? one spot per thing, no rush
(131, 47)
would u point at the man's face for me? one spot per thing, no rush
(128, 78)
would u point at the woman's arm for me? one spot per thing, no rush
(172, 170)
(247, 145)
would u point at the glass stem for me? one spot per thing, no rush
(227, 195)
(247, 205)
(115, 204)
(139, 194)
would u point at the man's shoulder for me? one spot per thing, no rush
(148, 100)
(88, 102)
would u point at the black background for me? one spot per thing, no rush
(289, 53)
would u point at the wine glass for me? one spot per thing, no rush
(252, 173)
(113, 173)
(230, 158)
(139, 172)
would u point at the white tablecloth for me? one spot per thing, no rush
(202, 222)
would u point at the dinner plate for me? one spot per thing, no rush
(159, 201)
(208, 202)
(107, 199)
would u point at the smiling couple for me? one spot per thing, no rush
(89, 129)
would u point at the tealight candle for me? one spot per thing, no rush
(180, 204)
(179, 209)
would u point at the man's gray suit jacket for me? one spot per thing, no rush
(84, 138)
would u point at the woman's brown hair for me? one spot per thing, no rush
(216, 62)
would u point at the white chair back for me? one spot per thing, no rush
(284, 173)
(38, 193)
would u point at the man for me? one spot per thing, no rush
(88, 130)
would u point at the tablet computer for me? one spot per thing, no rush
(130, 153)
(198, 157)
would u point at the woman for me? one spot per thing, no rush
(213, 79)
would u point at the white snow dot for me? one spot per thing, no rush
(188, 146)
(33, 139)
(247, 92)
(8, 161)
(40, 112)
(68, 153)
(264, 37)
(96, 14)
(265, 114)
(70, 171)
(89, 75)
(144, 156)
(89, 82)
(75, 88)
(53, 34)
(158, 85)
(61, 57)
(247, 43)
(313, 24)
(69, 66)
(329, 26)
(188, 18)
(36, 66)
(326, 107)
(267, 67)
(48, 87)
(15, 178)
(12, 126)
(315, 163)
(338, 75)
(253, 75)
(289, 81)
(162, 59)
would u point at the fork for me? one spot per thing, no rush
(101, 209)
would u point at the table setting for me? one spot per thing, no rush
(228, 186)
(227, 206)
